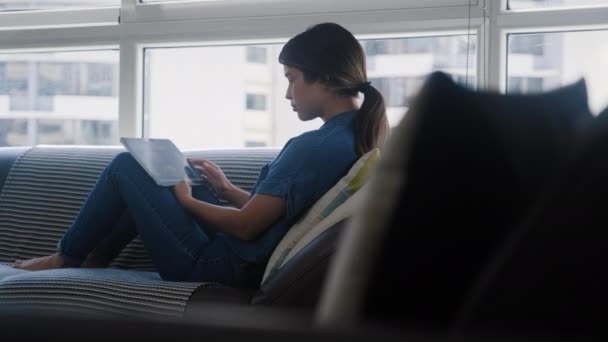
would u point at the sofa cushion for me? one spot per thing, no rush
(317, 219)
(41, 197)
(106, 291)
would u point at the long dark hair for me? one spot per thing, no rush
(332, 55)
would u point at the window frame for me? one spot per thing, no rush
(145, 25)
(504, 22)
(565, 8)
(179, 25)
(44, 19)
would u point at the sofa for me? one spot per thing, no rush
(42, 189)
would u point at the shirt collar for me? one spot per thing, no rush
(340, 119)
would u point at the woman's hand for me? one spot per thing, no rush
(215, 176)
(182, 191)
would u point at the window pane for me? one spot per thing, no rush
(543, 61)
(192, 101)
(554, 4)
(398, 67)
(59, 98)
(29, 5)
(180, 0)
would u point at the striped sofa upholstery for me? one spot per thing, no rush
(41, 196)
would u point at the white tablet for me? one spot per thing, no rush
(162, 160)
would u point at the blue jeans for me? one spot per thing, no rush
(126, 202)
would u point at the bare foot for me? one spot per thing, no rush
(42, 263)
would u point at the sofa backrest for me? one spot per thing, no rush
(46, 187)
(8, 156)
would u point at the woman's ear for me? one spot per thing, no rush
(324, 80)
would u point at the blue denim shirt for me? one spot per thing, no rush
(305, 169)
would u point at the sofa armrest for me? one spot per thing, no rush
(8, 156)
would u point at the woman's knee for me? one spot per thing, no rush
(123, 161)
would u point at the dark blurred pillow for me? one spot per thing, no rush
(549, 277)
(472, 164)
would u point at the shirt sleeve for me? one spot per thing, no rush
(292, 176)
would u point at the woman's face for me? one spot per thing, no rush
(306, 98)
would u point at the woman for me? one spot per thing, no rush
(188, 235)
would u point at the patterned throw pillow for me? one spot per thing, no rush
(320, 212)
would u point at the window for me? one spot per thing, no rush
(554, 4)
(41, 94)
(249, 101)
(543, 61)
(30, 5)
(219, 107)
(397, 67)
(393, 90)
(256, 54)
(59, 98)
(256, 102)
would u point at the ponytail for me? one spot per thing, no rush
(371, 124)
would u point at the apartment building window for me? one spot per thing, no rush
(256, 54)
(530, 44)
(255, 101)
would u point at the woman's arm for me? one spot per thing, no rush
(236, 196)
(220, 183)
(245, 223)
